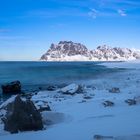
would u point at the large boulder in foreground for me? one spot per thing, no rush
(22, 116)
(12, 88)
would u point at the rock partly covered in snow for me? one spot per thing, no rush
(131, 101)
(70, 89)
(108, 103)
(70, 51)
(22, 116)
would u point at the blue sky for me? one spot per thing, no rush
(28, 27)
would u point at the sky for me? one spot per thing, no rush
(28, 27)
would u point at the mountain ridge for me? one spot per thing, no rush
(70, 51)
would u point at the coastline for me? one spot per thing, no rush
(75, 117)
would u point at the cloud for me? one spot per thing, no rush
(116, 7)
(82, 8)
(122, 12)
(93, 13)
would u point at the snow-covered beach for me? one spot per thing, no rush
(87, 115)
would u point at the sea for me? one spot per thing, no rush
(35, 75)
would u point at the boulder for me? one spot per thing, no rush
(51, 88)
(100, 137)
(129, 137)
(22, 116)
(108, 103)
(87, 97)
(70, 89)
(131, 101)
(114, 90)
(12, 88)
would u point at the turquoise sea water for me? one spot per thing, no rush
(38, 74)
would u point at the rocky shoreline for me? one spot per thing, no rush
(108, 103)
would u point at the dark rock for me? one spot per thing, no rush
(26, 95)
(22, 116)
(131, 101)
(83, 101)
(100, 137)
(42, 108)
(51, 88)
(40, 88)
(114, 90)
(80, 89)
(108, 103)
(12, 88)
(87, 97)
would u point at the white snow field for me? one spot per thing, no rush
(84, 117)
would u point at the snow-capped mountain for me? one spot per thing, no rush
(70, 51)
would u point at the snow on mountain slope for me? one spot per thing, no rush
(70, 51)
(66, 51)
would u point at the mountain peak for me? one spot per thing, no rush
(65, 42)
